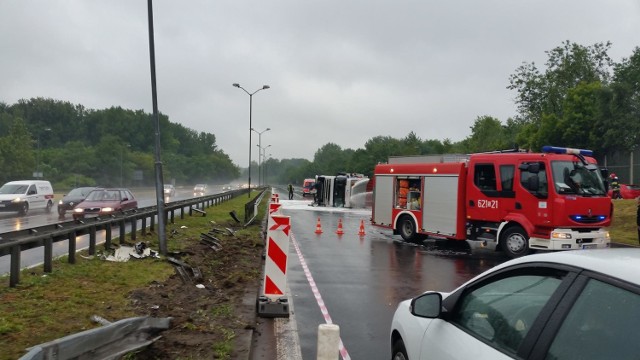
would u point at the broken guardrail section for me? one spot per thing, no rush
(107, 342)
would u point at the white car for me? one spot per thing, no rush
(169, 190)
(199, 190)
(579, 304)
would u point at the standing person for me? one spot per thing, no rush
(290, 192)
(638, 217)
(615, 187)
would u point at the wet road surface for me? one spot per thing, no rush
(357, 281)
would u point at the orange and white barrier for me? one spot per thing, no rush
(275, 282)
(273, 301)
(274, 209)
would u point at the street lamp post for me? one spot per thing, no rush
(264, 87)
(264, 175)
(259, 155)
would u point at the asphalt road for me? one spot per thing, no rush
(357, 281)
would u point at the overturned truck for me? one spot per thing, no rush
(342, 190)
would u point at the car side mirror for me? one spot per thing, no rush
(428, 305)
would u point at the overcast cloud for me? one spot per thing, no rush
(339, 71)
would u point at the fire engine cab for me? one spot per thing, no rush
(516, 201)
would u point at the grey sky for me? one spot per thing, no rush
(339, 71)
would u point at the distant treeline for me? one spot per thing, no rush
(74, 146)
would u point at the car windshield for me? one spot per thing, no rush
(572, 177)
(104, 195)
(13, 189)
(79, 192)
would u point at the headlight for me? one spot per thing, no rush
(78, 210)
(60, 202)
(557, 235)
(107, 209)
(16, 200)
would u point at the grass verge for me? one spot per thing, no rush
(623, 228)
(44, 307)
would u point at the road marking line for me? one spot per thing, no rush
(316, 293)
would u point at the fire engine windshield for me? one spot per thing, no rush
(573, 177)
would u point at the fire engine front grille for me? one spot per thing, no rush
(588, 219)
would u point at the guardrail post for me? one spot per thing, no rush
(72, 247)
(48, 254)
(144, 226)
(107, 236)
(182, 212)
(92, 240)
(14, 274)
(172, 217)
(134, 229)
(123, 231)
(152, 223)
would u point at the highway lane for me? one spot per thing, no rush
(361, 279)
(32, 257)
(11, 221)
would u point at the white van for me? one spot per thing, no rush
(21, 196)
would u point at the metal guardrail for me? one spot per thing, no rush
(111, 341)
(13, 243)
(251, 208)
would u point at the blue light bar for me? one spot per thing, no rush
(564, 150)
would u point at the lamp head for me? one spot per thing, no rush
(266, 87)
(236, 85)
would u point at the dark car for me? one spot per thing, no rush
(73, 198)
(106, 202)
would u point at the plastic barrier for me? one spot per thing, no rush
(273, 301)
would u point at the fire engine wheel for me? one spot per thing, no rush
(515, 242)
(407, 229)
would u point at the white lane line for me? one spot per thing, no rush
(316, 293)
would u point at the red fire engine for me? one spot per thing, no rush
(517, 201)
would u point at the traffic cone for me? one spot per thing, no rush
(361, 232)
(318, 227)
(339, 231)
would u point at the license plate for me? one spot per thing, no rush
(589, 246)
(1, 205)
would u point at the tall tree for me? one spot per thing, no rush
(541, 93)
(487, 134)
(17, 152)
(626, 102)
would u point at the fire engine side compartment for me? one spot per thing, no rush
(441, 211)
(383, 193)
(441, 205)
